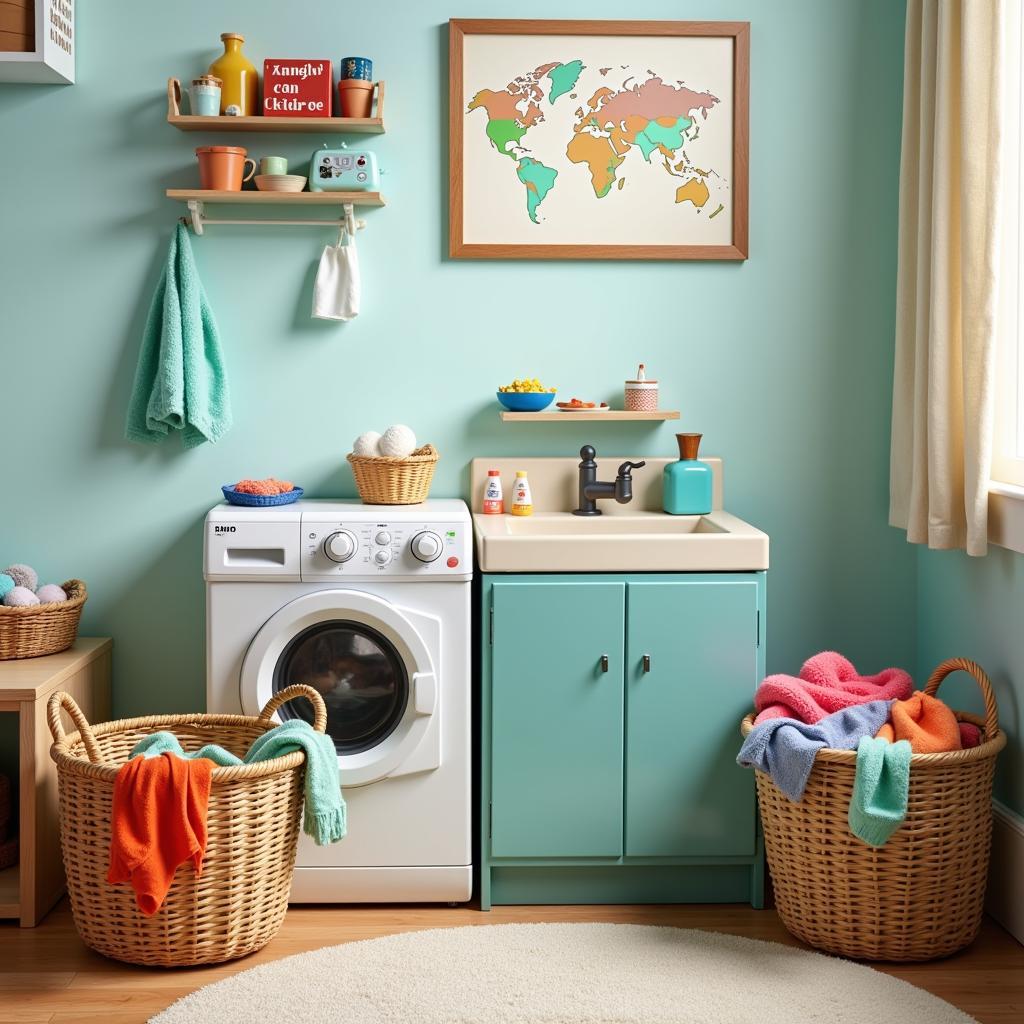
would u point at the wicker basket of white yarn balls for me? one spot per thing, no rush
(390, 469)
(37, 620)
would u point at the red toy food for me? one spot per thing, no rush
(578, 403)
(265, 487)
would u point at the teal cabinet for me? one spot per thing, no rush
(610, 723)
(556, 721)
(691, 671)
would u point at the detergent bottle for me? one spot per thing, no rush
(522, 500)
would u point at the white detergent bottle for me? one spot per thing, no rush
(522, 500)
(494, 500)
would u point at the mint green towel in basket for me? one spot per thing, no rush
(324, 817)
(880, 789)
(180, 381)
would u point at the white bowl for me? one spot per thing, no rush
(280, 182)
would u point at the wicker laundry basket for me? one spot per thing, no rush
(381, 480)
(918, 897)
(238, 902)
(35, 630)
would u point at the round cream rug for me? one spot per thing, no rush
(561, 974)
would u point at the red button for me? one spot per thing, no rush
(452, 562)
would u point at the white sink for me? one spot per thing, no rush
(600, 526)
(636, 537)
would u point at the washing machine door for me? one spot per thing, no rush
(375, 665)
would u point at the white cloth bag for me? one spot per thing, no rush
(337, 288)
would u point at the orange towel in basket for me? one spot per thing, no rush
(158, 822)
(924, 720)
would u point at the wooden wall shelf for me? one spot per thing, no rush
(307, 125)
(255, 198)
(616, 415)
(197, 198)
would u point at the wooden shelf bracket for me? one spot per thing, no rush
(198, 220)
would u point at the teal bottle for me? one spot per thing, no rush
(687, 483)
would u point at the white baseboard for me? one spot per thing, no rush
(1005, 900)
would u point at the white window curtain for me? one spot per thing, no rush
(946, 305)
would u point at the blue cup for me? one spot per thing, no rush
(204, 96)
(357, 67)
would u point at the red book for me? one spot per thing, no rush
(297, 88)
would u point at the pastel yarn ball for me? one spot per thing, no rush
(397, 442)
(367, 445)
(20, 597)
(6, 585)
(50, 593)
(23, 575)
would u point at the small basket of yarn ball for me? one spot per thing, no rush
(261, 493)
(390, 469)
(37, 620)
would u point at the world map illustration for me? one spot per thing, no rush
(618, 117)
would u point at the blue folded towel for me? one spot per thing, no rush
(880, 788)
(180, 381)
(785, 748)
(325, 817)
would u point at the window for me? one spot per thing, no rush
(1008, 437)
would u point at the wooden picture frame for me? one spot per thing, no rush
(461, 32)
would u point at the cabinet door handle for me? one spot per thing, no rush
(604, 662)
(647, 663)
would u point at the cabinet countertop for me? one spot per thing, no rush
(32, 678)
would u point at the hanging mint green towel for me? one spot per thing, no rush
(180, 382)
(879, 802)
(325, 816)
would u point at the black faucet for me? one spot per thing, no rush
(591, 488)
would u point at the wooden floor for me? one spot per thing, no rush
(48, 977)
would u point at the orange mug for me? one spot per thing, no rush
(221, 168)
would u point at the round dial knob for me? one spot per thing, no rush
(382, 556)
(383, 537)
(340, 546)
(426, 546)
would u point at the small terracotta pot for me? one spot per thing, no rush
(221, 168)
(355, 97)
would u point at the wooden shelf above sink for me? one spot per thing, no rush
(619, 415)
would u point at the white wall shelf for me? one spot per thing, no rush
(618, 415)
(52, 61)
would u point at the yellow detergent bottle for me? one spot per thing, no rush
(522, 500)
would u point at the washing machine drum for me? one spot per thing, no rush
(375, 665)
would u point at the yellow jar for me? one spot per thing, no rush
(239, 91)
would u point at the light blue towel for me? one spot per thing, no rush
(180, 381)
(325, 816)
(879, 802)
(785, 748)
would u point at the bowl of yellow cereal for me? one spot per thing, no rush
(526, 394)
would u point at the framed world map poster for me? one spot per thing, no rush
(598, 139)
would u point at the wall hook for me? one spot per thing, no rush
(196, 212)
(352, 224)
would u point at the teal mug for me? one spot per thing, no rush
(357, 67)
(274, 165)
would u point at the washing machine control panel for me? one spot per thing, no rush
(345, 548)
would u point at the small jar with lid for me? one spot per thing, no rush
(641, 394)
(204, 96)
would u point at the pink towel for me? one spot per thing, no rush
(970, 735)
(827, 683)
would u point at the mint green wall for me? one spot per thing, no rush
(783, 362)
(974, 607)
